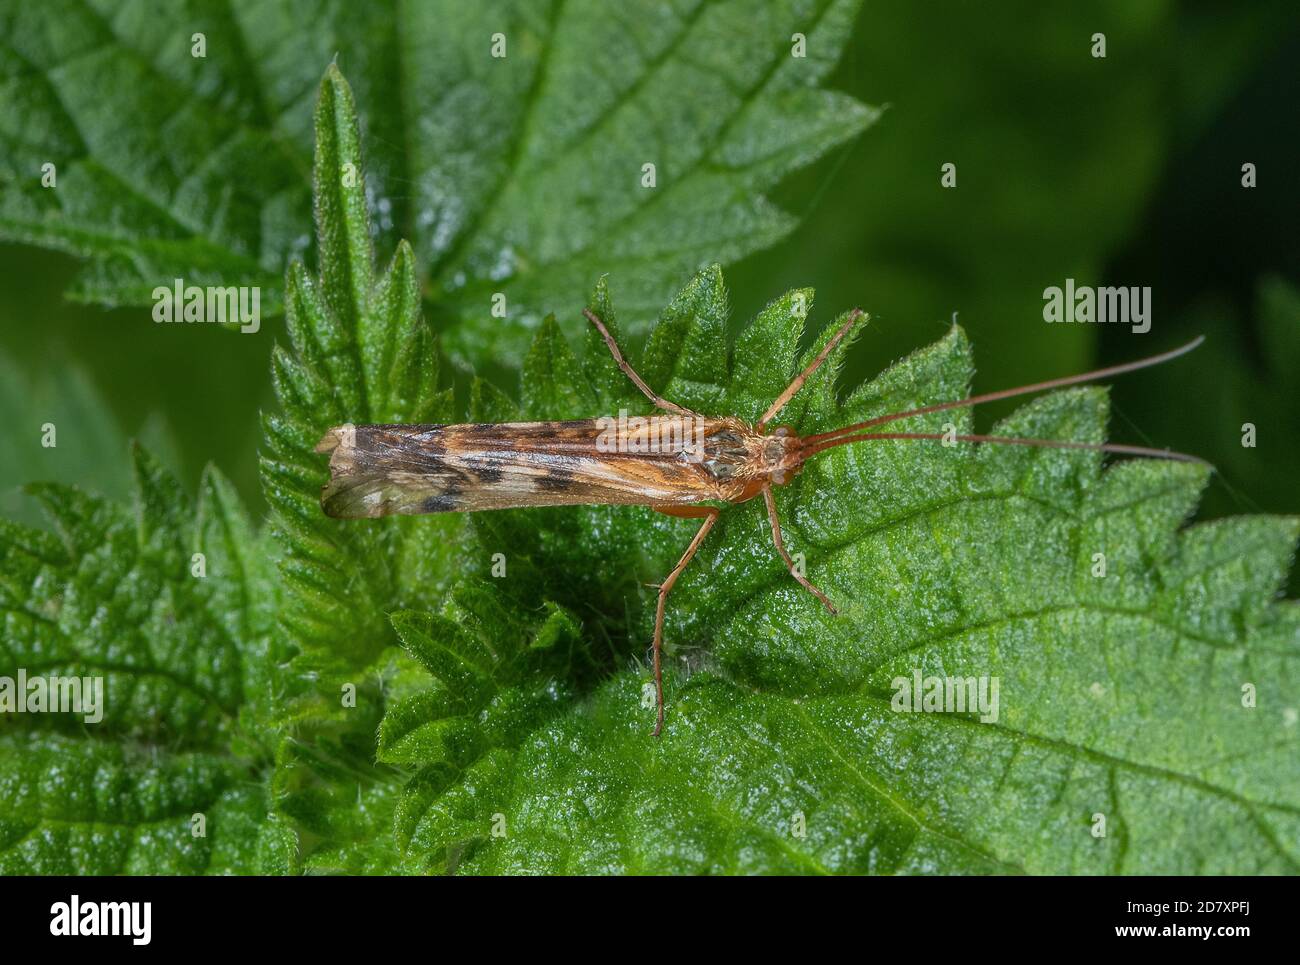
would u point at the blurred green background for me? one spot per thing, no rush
(1124, 170)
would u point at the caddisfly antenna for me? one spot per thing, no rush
(1012, 393)
(814, 444)
(1111, 447)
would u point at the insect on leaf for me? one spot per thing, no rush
(787, 748)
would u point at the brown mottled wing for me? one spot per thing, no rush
(389, 469)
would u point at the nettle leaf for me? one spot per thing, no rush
(508, 141)
(166, 165)
(1144, 720)
(362, 354)
(170, 607)
(707, 93)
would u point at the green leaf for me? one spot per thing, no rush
(182, 647)
(519, 174)
(95, 807)
(361, 353)
(787, 747)
(201, 183)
